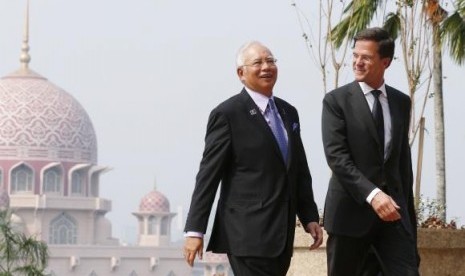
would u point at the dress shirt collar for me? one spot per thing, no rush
(367, 89)
(260, 100)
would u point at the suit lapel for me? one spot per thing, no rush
(257, 118)
(362, 110)
(395, 112)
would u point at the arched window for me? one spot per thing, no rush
(152, 225)
(21, 179)
(164, 226)
(1, 177)
(52, 181)
(77, 183)
(93, 273)
(63, 230)
(133, 273)
(171, 273)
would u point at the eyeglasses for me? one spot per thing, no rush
(258, 63)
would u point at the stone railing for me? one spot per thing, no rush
(304, 261)
(442, 253)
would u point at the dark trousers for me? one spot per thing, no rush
(260, 266)
(388, 244)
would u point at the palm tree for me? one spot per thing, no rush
(19, 254)
(445, 31)
(452, 31)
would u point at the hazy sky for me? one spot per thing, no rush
(148, 72)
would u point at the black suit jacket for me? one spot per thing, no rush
(260, 195)
(353, 153)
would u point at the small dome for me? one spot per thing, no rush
(4, 199)
(154, 202)
(42, 121)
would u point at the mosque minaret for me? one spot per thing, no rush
(50, 181)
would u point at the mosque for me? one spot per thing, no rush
(50, 179)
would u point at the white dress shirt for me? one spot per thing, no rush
(387, 121)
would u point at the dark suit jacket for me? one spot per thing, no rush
(260, 195)
(353, 153)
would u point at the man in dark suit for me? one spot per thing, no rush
(253, 147)
(369, 204)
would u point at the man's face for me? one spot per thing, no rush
(259, 72)
(367, 64)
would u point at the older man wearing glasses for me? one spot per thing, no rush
(253, 147)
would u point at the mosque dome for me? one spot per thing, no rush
(154, 202)
(42, 121)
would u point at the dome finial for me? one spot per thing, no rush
(154, 183)
(25, 57)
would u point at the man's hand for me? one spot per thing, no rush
(317, 234)
(385, 207)
(193, 246)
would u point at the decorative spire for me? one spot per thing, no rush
(25, 57)
(154, 183)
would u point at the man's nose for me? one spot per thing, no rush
(358, 61)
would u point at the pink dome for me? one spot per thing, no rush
(42, 121)
(154, 202)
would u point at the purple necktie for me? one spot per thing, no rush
(276, 127)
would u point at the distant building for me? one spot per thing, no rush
(50, 179)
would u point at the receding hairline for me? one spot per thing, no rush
(240, 53)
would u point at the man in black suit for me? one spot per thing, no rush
(253, 147)
(369, 204)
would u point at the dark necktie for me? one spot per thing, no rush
(377, 112)
(272, 114)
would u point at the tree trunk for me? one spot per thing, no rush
(439, 123)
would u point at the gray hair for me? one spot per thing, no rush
(240, 59)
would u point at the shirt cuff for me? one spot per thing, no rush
(372, 195)
(193, 234)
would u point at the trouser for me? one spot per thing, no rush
(388, 243)
(260, 266)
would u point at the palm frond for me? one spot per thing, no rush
(20, 254)
(392, 24)
(453, 32)
(338, 33)
(359, 14)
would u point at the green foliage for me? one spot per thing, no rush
(428, 208)
(392, 24)
(429, 215)
(19, 254)
(454, 33)
(359, 15)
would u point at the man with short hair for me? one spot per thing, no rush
(253, 147)
(369, 205)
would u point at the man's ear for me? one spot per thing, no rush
(240, 72)
(387, 62)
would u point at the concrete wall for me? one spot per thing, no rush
(442, 253)
(306, 262)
